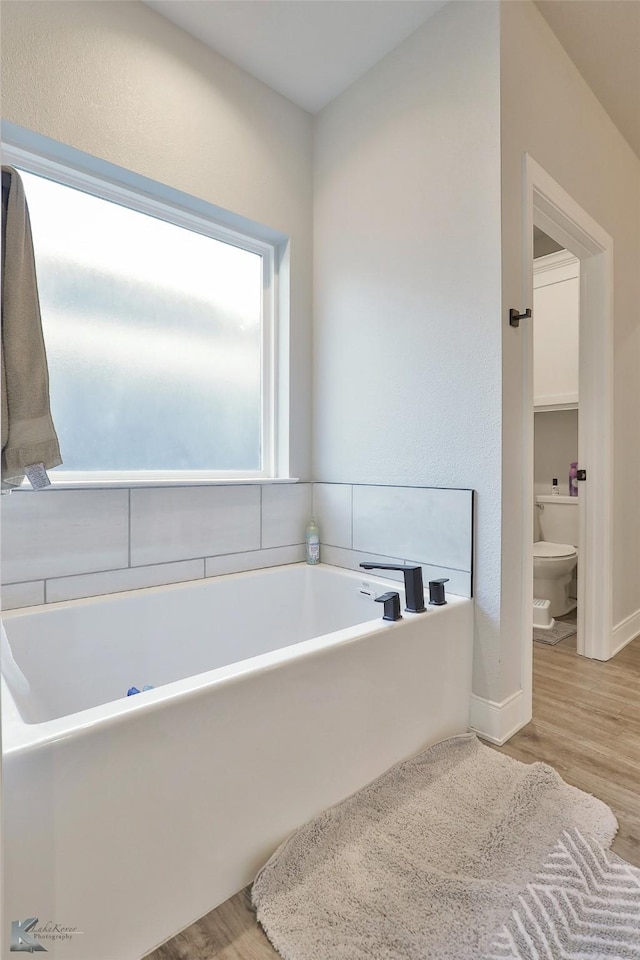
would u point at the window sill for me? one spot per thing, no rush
(102, 484)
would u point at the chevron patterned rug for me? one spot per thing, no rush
(442, 853)
(584, 904)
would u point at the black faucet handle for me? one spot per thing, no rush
(413, 586)
(436, 592)
(391, 602)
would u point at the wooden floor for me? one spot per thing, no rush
(586, 723)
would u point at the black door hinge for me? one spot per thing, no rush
(581, 475)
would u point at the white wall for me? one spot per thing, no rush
(555, 448)
(407, 381)
(120, 82)
(138, 92)
(549, 112)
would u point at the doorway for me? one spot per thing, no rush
(553, 211)
(556, 309)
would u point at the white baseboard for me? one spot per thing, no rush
(624, 632)
(497, 722)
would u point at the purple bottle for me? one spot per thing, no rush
(573, 479)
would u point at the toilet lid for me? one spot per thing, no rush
(545, 549)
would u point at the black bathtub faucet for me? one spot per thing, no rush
(413, 586)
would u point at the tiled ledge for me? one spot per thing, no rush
(459, 580)
(82, 532)
(89, 543)
(15, 595)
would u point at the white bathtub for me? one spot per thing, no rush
(276, 694)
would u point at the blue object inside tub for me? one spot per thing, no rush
(132, 690)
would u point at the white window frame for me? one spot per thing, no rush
(274, 461)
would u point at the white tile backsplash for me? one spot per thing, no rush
(65, 544)
(183, 523)
(459, 580)
(332, 510)
(16, 595)
(351, 559)
(431, 523)
(239, 562)
(54, 533)
(131, 578)
(286, 511)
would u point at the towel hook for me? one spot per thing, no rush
(515, 317)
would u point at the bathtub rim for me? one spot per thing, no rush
(199, 583)
(19, 736)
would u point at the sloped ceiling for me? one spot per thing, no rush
(312, 50)
(307, 50)
(602, 37)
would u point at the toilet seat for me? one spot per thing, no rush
(544, 548)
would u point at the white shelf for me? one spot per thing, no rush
(545, 498)
(550, 407)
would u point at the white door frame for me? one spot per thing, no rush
(552, 209)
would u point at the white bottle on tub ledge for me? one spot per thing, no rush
(312, 542)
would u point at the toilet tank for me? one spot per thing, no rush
(557, 519)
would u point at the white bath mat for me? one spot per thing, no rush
(426, 862)
(561, 630)
(584, 902)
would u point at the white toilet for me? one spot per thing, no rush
(555, 553)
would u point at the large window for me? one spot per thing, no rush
(159, 334)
